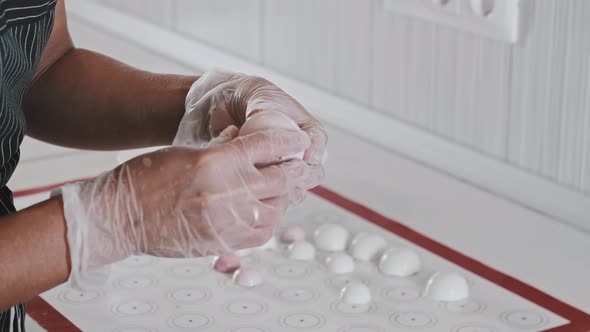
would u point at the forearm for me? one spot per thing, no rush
(33, 252)
(90, 101)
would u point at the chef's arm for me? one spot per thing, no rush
(34, 253)
(86, 100)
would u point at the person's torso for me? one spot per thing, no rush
(25, 27)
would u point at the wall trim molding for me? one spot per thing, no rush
(488, 173)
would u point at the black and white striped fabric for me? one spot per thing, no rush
(25, 26)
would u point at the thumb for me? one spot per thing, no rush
(225, 136)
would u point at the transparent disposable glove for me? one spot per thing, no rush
(220, 99)
(184, 202)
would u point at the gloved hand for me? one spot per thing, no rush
(184, 202)
(220, 99)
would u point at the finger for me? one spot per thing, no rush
(269, 146)
(244, 224)
(194, 130)
(316, 175)
(297, 196)
(278, 180)
(255, 238)
(315, 154)
(270, 218)
(262, 214)
(260, 230)
(280, 204)
(248, 214)
(225, 136)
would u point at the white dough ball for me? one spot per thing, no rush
(367, 246)
(293, 233)
(247, 277)
(264, 120)
(355, 293)
(448, 287)
(301, 250)
(340, 263)
(399, 262)
(331, 237)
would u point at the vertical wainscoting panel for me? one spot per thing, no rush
(354, 46)
(574, 90)
(233, 25)
(549, 89)
(537, 76)
(390, 61)
(586, 136)
(491, 107)
(155, 11)
(453, 83)
(420, 81)
(528, 104)
(326, 43)
(445, 78)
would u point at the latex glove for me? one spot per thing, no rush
(219, 99)
(183, 202)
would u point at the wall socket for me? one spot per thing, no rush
(498, 19)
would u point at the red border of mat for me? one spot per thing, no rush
(49, 318)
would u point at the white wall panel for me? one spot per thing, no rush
(548, 81)
(489, 106)
(586, 137)
(233, 25)
(576, 78)
(493, 174)
(352, 57)
(450, 82)
(447, 70)
(326, 43)
(87, 36)
(537, 65)
(156, 11)
(390, 59)
(527, 103)
(420, 67)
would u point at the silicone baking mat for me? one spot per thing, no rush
(152, 294)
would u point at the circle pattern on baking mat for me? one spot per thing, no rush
(190, 295)
(78, 297)
(291, 271)
(134, 308)
(135, 282)
(187, 271)
(297, 295)
(413, 319)
(246, 307)
(190, 321)
(523, 319)
(303, 321)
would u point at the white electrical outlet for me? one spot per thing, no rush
(498, 19)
